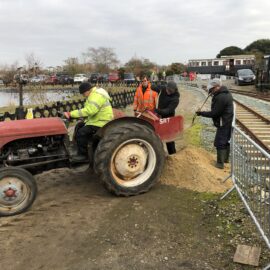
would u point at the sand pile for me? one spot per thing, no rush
(193, 168)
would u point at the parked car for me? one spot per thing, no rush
(7, 81)
(21, 78)
(95, 78)
(113, 77)
(79, 78)
(105, 78)
(129, 78)
(38, 79)
(53, 79)
(25, 78)
(244, 76)
(65, 79)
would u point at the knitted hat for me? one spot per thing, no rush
(172, 87)
(85, 86)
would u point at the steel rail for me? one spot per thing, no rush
(266, 120)
(265, 97)
(247, 129)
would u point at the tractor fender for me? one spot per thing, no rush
(120, 122)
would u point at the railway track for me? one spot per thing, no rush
(254, 124)
(263, 96)
(255, 94)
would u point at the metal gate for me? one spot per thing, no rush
(250, 173)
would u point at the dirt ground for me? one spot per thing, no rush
(75, 224)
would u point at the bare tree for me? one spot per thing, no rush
(33, 64)
(104, 59)
(140, 67)
(7, 72)
(72, 66)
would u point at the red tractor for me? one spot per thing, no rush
(127, 154)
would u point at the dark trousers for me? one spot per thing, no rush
(83, 136)
(222, 138)
(171, 147)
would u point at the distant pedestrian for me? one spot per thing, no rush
(222, 115)
(192, 76)
(164, 75)
(168, 100)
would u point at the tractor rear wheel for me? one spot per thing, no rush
(129, 159)
(18, 190)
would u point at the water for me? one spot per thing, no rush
(11, 98)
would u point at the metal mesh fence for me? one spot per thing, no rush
(251, 177)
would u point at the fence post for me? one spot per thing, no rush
(125, 99)
(20, 110)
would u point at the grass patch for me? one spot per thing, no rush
(11, 109)
(192, 135)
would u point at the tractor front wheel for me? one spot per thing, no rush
(18, 190)
(129, 159)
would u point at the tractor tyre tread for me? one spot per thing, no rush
(25, 177)
(115, 138)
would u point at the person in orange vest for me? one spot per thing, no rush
(145, 98)
(192, 76)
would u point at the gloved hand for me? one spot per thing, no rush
(67, 115)
(156, 111)
(198, 113)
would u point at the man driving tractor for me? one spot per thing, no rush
(97, 112)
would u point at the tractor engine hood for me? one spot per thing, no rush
(21, 129)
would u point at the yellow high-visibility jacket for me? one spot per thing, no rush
(97, 108)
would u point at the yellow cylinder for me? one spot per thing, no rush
(29, 114)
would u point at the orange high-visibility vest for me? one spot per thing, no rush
(148, 100)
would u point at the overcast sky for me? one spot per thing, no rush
(163, 31)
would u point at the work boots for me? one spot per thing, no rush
(227, 157)
(221, 157)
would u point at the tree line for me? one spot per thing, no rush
(94, 60)
(259, 48)
(104, 60)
